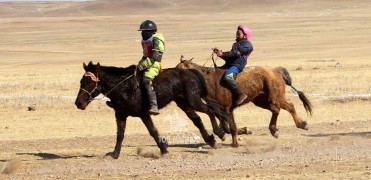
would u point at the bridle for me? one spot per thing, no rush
(96, 88)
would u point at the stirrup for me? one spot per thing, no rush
(153, 111)
(241, 98)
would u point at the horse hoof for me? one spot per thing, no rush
(163, 147)
(244, 130)
(274, 131)
(221, 134)
(275, 135)
(113, 155)
(304, 125)
(211, 141)
(235, 145)
(224, 137)
(248, 132)
(165, 151)
(215, 145)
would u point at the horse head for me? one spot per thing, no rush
(185, 64)
(89, 85)
(188, 64)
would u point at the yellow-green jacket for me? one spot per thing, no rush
(153, 49)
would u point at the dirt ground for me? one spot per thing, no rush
(325, 45)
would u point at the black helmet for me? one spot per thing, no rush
(147, 25)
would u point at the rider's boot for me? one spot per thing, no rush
(153, 110)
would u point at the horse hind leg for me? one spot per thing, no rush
(195, 103)
(273, 124)
(289, 107)
(275, 109)
(209, 139)
(263, 102)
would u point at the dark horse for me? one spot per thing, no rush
(265, 87)
(120, 85)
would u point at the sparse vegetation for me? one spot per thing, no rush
(41, 65)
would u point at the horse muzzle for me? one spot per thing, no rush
(81, 105)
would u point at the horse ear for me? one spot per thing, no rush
(90, 63)
(97, 68)
(190, 60)
(85, 66)
(181, 58)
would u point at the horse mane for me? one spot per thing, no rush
(204, 68)
(117, 74)
(117, 71)
(202, 81)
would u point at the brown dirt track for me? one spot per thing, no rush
(324, 45)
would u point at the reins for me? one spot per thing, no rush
(96, 80)
(217, 89)
(105, 95)
(214, 62)
(208, 69)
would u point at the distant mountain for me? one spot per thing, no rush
(124, 7)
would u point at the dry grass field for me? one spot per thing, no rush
(325, 45)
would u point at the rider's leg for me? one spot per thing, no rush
(236, 90)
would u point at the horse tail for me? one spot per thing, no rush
(286, 76)
(201, 79)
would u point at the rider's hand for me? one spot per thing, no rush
(218, 52)
(141, 67)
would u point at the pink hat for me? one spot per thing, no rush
(245, 30)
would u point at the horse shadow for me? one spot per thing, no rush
(360, 134)
(50, 156)
(194, 148)
(191, 148)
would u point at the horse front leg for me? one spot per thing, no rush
(121, 125)
(161, 142)
(234, 130)
(196, 104)
(209, 139)
(212, 112)
(216, 129)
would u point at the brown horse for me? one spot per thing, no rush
(265, 87)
